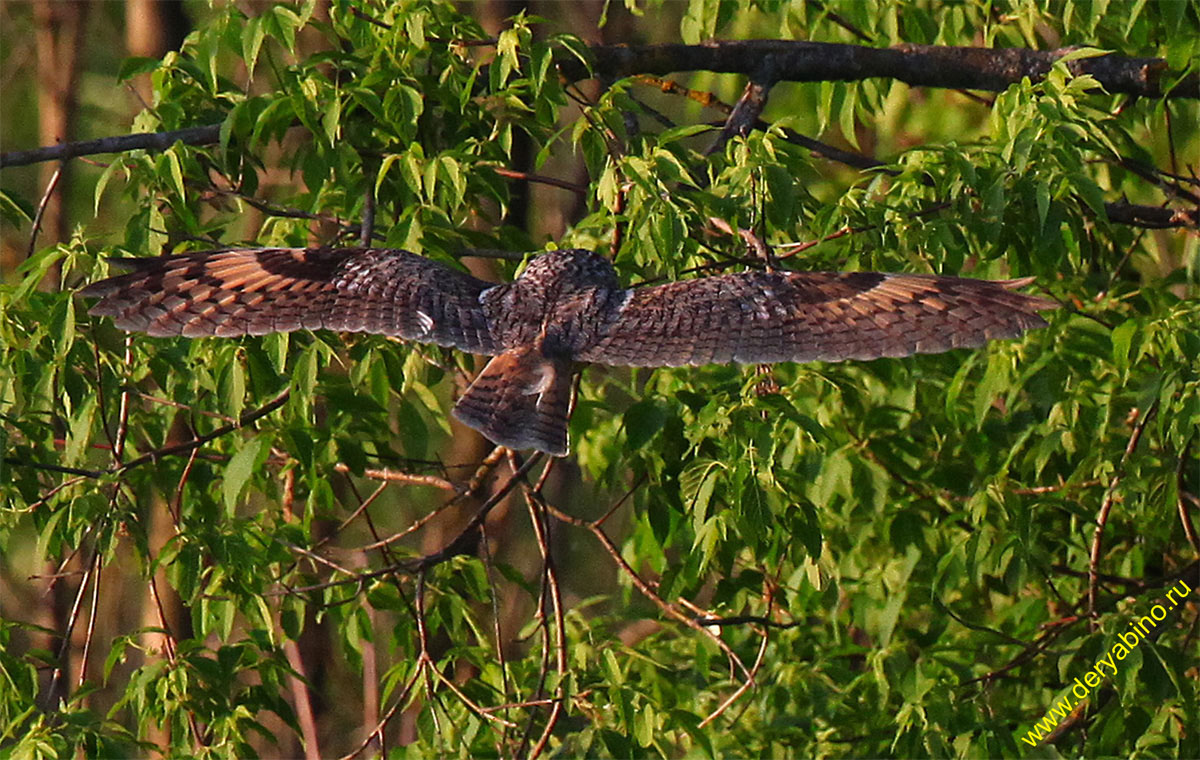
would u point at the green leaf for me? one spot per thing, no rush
(241, 466)
(252, 38)
(287, 22)
(699, 21)
(101, 183)
(1042, 194)
(753, 510)
(1090, 192)
(135, 65)
(16, 210)
(698, 483)
(1122, 342)
(847, 118)
(331, 120)
(176, 171)
(642, 421)
(507, 46)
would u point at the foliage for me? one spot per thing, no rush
(900, 548)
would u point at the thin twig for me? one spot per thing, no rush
(176, 505)
(169, 648)
(395, 476)
(537, 517)
(243, 421)
(41, 209)
(183, 407)
(359, 13)
(91, 626)
(1106, 508)
(65, 646)
(470, 704)
(416, 525)
(387, 717)
(621, 501)
(641, 585)
(82, 473)
(574, 187)
(745, 686)
(1034, 648)
(1131, 585)
(497, 631)
(367, 230)
(456, 546)
(363, 504)
(1189, 529)
(747, 619)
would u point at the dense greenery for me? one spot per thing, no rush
(900, 549)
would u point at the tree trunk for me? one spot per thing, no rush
(58, 28)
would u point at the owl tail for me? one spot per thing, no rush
(521, 400)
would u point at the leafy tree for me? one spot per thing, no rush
(274, 540)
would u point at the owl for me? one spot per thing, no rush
(565, 309)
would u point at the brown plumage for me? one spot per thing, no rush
(566, 307)
(521, 399)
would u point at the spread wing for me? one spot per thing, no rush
(264, 290)
(753, 317)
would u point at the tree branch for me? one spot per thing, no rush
(180, 448)
(744, 116)
(969, 68)
(788, 60)
(1152, 217)
(119, 144)
(768, 61)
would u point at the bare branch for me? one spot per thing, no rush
(537, 517)
(468, 534)
(41, 209)
(394, 476)
(54, 468)
(139, 141)
(1152, 217)
(541, 178)
(52, 695)
(670, 610)
(1135, 215)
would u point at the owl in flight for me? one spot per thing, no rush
(566, 307)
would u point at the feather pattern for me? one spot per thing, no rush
(259, 291)
(566, 307)
(760, 317)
